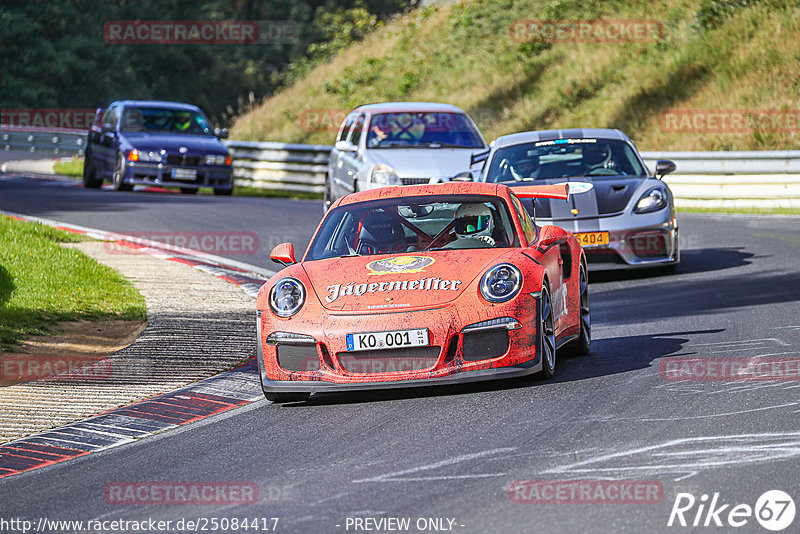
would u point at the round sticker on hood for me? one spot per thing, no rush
(400, 264)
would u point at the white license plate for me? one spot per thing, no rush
(184, 174)
(387, 340)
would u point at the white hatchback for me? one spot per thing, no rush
(400, 143)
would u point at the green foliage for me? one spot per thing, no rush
(53, 54)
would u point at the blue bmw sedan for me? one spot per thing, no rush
(156, 143)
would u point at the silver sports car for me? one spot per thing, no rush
(627, 220)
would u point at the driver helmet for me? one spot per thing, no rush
(525, 167)
(183, 119)
(474, 220)
(597, 154)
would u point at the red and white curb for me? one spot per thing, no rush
(220, 393)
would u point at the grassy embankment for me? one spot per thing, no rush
(42, 283)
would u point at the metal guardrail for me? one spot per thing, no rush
(285, 166)
(57, 141)
(734, 179)
(743, 162)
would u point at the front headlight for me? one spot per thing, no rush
(216, 159)
(287, 297)
(501, 283)
(653, 200)
(384, 175)
(151, 156)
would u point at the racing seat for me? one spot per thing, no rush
(381, 233)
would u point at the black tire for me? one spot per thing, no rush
(279, 398)
(90, 180)
(224, 192)
(546, 335)
(189, 190)
(584, 342)
(119, 173)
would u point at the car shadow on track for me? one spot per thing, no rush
(609, 356)
(692, 262)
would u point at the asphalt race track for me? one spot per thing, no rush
(452, 453)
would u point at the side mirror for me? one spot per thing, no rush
(664, 167)
(345, 146)
(463, 176)
(221, 134)
(550, 236)
(283, 254)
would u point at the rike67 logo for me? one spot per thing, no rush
(774, 510)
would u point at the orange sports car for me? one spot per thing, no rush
(423, 285)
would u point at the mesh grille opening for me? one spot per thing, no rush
(389, 360)
(485, 345)
(298, 357)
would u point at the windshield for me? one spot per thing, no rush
(564, 158)
(181, 121)
(412, 224)
(422, 130)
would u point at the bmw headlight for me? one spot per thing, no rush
(217, 159)
(384, 175)
(287, 297)
(653, 200)
(501, 283)
(151, 156)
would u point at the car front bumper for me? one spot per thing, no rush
(635, 240)
(160, 174)
(457, 353)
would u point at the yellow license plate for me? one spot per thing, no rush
(592, 239)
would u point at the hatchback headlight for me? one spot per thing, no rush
(501, 283)
(384, 175)
(287, 297)
(653, 200)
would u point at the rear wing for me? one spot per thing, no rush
(557, 191)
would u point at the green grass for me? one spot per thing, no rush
(750, 211)
(72, 168)
(714, 55)
(42, 282)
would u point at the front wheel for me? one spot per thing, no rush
(546, 335)
(279, 398)
(119, 175)
(224, 192)
(189, 190)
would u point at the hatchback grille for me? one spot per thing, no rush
(415, 181)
